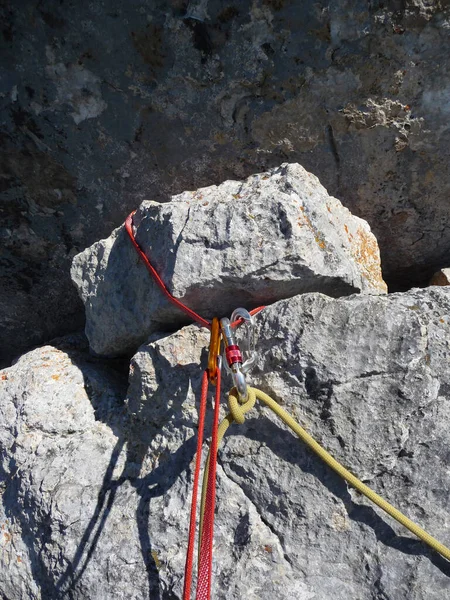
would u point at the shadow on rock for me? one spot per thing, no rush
(132, 440)
(279, 441)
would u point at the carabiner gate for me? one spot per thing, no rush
(248, 346)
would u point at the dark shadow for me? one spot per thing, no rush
(149, 487)
(105, 500)
(277, 439)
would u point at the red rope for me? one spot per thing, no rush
(160, 283)
(157, 278)
(206, 543)
(191, 543)
(252, 312)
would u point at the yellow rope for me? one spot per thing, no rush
(237, 413)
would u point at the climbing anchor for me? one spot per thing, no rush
(241, 400)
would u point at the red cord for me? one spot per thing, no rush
(206, 543)
(157, 278)
(191, 543)
(160, 283)
(252, 312)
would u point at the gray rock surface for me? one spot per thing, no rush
(59, 431)
(248, 243)
(106, 104)
(100, 495)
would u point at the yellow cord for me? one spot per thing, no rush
(237, 412)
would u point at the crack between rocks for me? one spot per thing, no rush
(260, 515)
(379, 592)
(180, 235)
(368, 375)
(335, 153)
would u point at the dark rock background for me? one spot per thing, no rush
(104, 104)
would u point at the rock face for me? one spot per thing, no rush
(96, 498)
(104, 105)
(247, 243)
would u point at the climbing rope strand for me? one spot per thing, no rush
(159, 282)
(162, 286)
(350, 478)
(191, 542)
(237, 413)
(330, 461)
(220, 434)
(206, 534)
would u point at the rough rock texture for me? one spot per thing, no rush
(60, 416)
(105, 104)
(442, 277)
(248, 243)
(101, 496)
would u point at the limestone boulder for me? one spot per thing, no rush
(368, 377)
(252, 242)
(60, 456)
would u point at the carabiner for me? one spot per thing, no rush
(249, 351)
(214, 351)
(233, 358)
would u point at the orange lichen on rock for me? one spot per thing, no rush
(320, 241)
(6, 537)
(304, 219)
(156, 559)
(366, 253)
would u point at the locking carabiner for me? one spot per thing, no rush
(248, 349)
(214, 351)
(234, 359)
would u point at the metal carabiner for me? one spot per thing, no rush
(214, 351)
(233, 359)
(234, 362)
(249, 343)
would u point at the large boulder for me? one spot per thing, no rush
(248, 243)
(61, 452)
(368, 377)
(97, 499)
